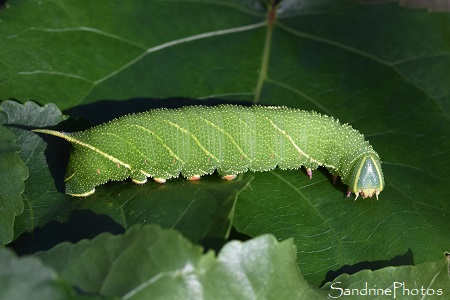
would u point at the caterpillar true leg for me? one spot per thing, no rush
(349, 193)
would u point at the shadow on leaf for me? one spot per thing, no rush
(82, 224)
(399, 260)
(106, 110)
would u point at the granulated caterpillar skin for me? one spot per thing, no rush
(197, 140)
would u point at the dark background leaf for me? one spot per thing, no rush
(432, 5)
(116, 50)
(382, 68)
(42, 202)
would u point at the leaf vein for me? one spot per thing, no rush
(319, 214)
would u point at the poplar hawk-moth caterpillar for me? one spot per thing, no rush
(197, 140)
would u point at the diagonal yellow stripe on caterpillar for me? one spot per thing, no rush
(160, 140)
(228, 136)
(194, 138)
(75, 141)
(294, 144)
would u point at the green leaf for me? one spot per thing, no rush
(42, 202)
(150, 262)
(28, 278)
(382, 68)
(261, 268)
(424, 281)
(12, 174)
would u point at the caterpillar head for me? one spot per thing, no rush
(366, 177)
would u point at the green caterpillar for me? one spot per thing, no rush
(197, 140)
